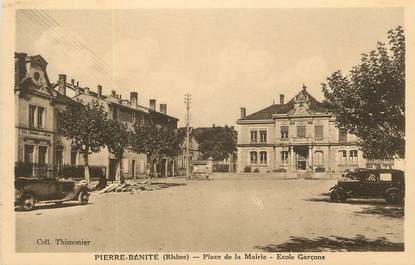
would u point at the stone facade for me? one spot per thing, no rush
(299, 138)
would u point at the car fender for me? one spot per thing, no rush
(392, 189)
(82, 188)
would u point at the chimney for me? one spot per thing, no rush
(134, 99)
(163, 108)
(73, 82)
(113, 93)
(153, 104)
(19, 68)
(243, 113)
(77, 83)
(281, 99)
(99, 91)
(86, 90)
(62, 84)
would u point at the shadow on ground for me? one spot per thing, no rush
(333, 243)
(47, 206)
(392, 212)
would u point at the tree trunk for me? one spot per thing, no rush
(121, 175)
(155, 169)
(86, 166)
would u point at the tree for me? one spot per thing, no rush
(216, 142)
(370, 99)
(155, 141)
(117, 140)
(84, 125)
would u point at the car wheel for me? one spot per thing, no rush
(83, 197)
(392, 196)
(338, 195)
(27, 202)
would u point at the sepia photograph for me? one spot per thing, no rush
(174, 134)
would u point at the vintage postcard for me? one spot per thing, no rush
(205, 132)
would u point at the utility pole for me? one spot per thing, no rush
(187, 99)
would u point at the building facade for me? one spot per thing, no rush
(42, 152)
(298, 137)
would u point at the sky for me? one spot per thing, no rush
(225, 58)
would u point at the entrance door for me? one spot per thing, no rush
(302, 155)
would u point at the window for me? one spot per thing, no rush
(301, 131)
(263, 136)
(42, 155)
(74, 154)
(342, 157)
(284, 132)
(284, 157)
(263, 157)
(28, 153)
(342, 135)
(318, 158)
(254, 135)
(40, 112)
(254, 157)
(318, 132)
(353, 157)
(32, 110)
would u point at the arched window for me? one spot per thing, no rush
(342, 157)
(263, 157)
(254, 157)
(318, 158)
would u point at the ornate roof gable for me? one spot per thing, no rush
(301, 103)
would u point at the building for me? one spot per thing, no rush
(129, 112)
(195, 156)
(298, 137)
(42, 152)
(39, 149)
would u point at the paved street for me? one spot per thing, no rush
(248, 213)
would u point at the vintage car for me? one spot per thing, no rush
(28, 191)
(370, 183)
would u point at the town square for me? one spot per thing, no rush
(209, 130)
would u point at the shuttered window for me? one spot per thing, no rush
(301, 131)
(318, 132)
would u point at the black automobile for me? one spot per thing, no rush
(28, 191)
(370, 183)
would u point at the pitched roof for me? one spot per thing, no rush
(266, 113)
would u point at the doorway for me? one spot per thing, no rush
(301, 158)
